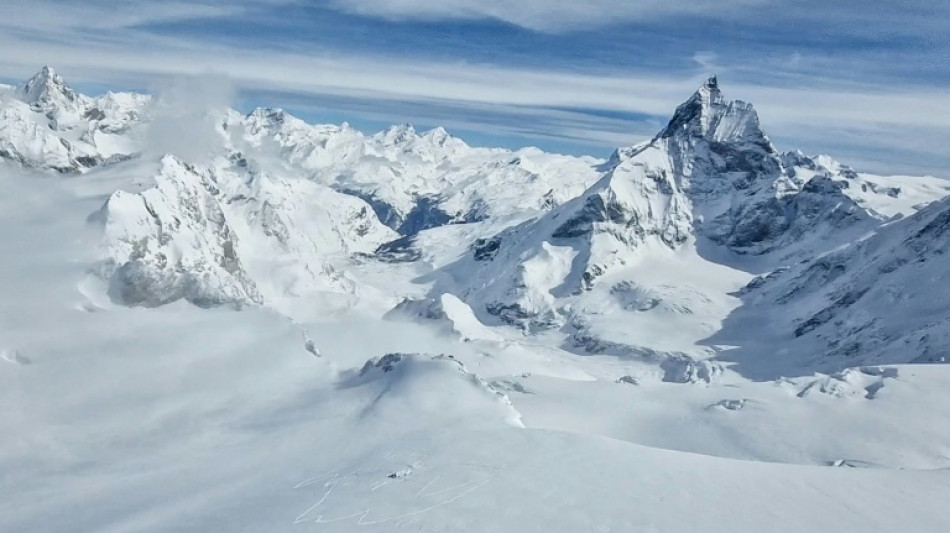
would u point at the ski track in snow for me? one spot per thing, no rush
(353, 485)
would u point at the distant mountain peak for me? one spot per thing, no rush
(441, 137)
(47, 90)
(400, 131)
(407, 137)
(268, 112)
(437, 133)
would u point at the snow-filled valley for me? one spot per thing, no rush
(295, 327)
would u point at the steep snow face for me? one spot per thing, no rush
(29, 142)
(709, 116)
(304, 240)
(230, 234)
(637, 199)
(172, 242)
(880, 301)
(44, 124)
(523, 275)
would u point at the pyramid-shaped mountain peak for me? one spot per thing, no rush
(46, 90)
(708, 115)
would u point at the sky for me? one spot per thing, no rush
(863, 80)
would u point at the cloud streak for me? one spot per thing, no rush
(885, 18)
(801, 100)
(542, 15)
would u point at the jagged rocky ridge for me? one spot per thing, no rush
(173, 241)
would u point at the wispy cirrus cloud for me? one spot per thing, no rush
(590, 89)
(850, 16)
(543, 15)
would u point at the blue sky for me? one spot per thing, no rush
(864, 80)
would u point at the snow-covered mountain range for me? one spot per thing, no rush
(277, 211)
(703, 256)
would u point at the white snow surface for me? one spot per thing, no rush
(300, 327)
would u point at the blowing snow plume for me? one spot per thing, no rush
(186, 116)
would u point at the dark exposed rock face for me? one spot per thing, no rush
(486, 249)
(596, 209)
(770, 223)
(386, 363)
(427, 213)
(424, 215)
(401, 250)
(385, 212)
